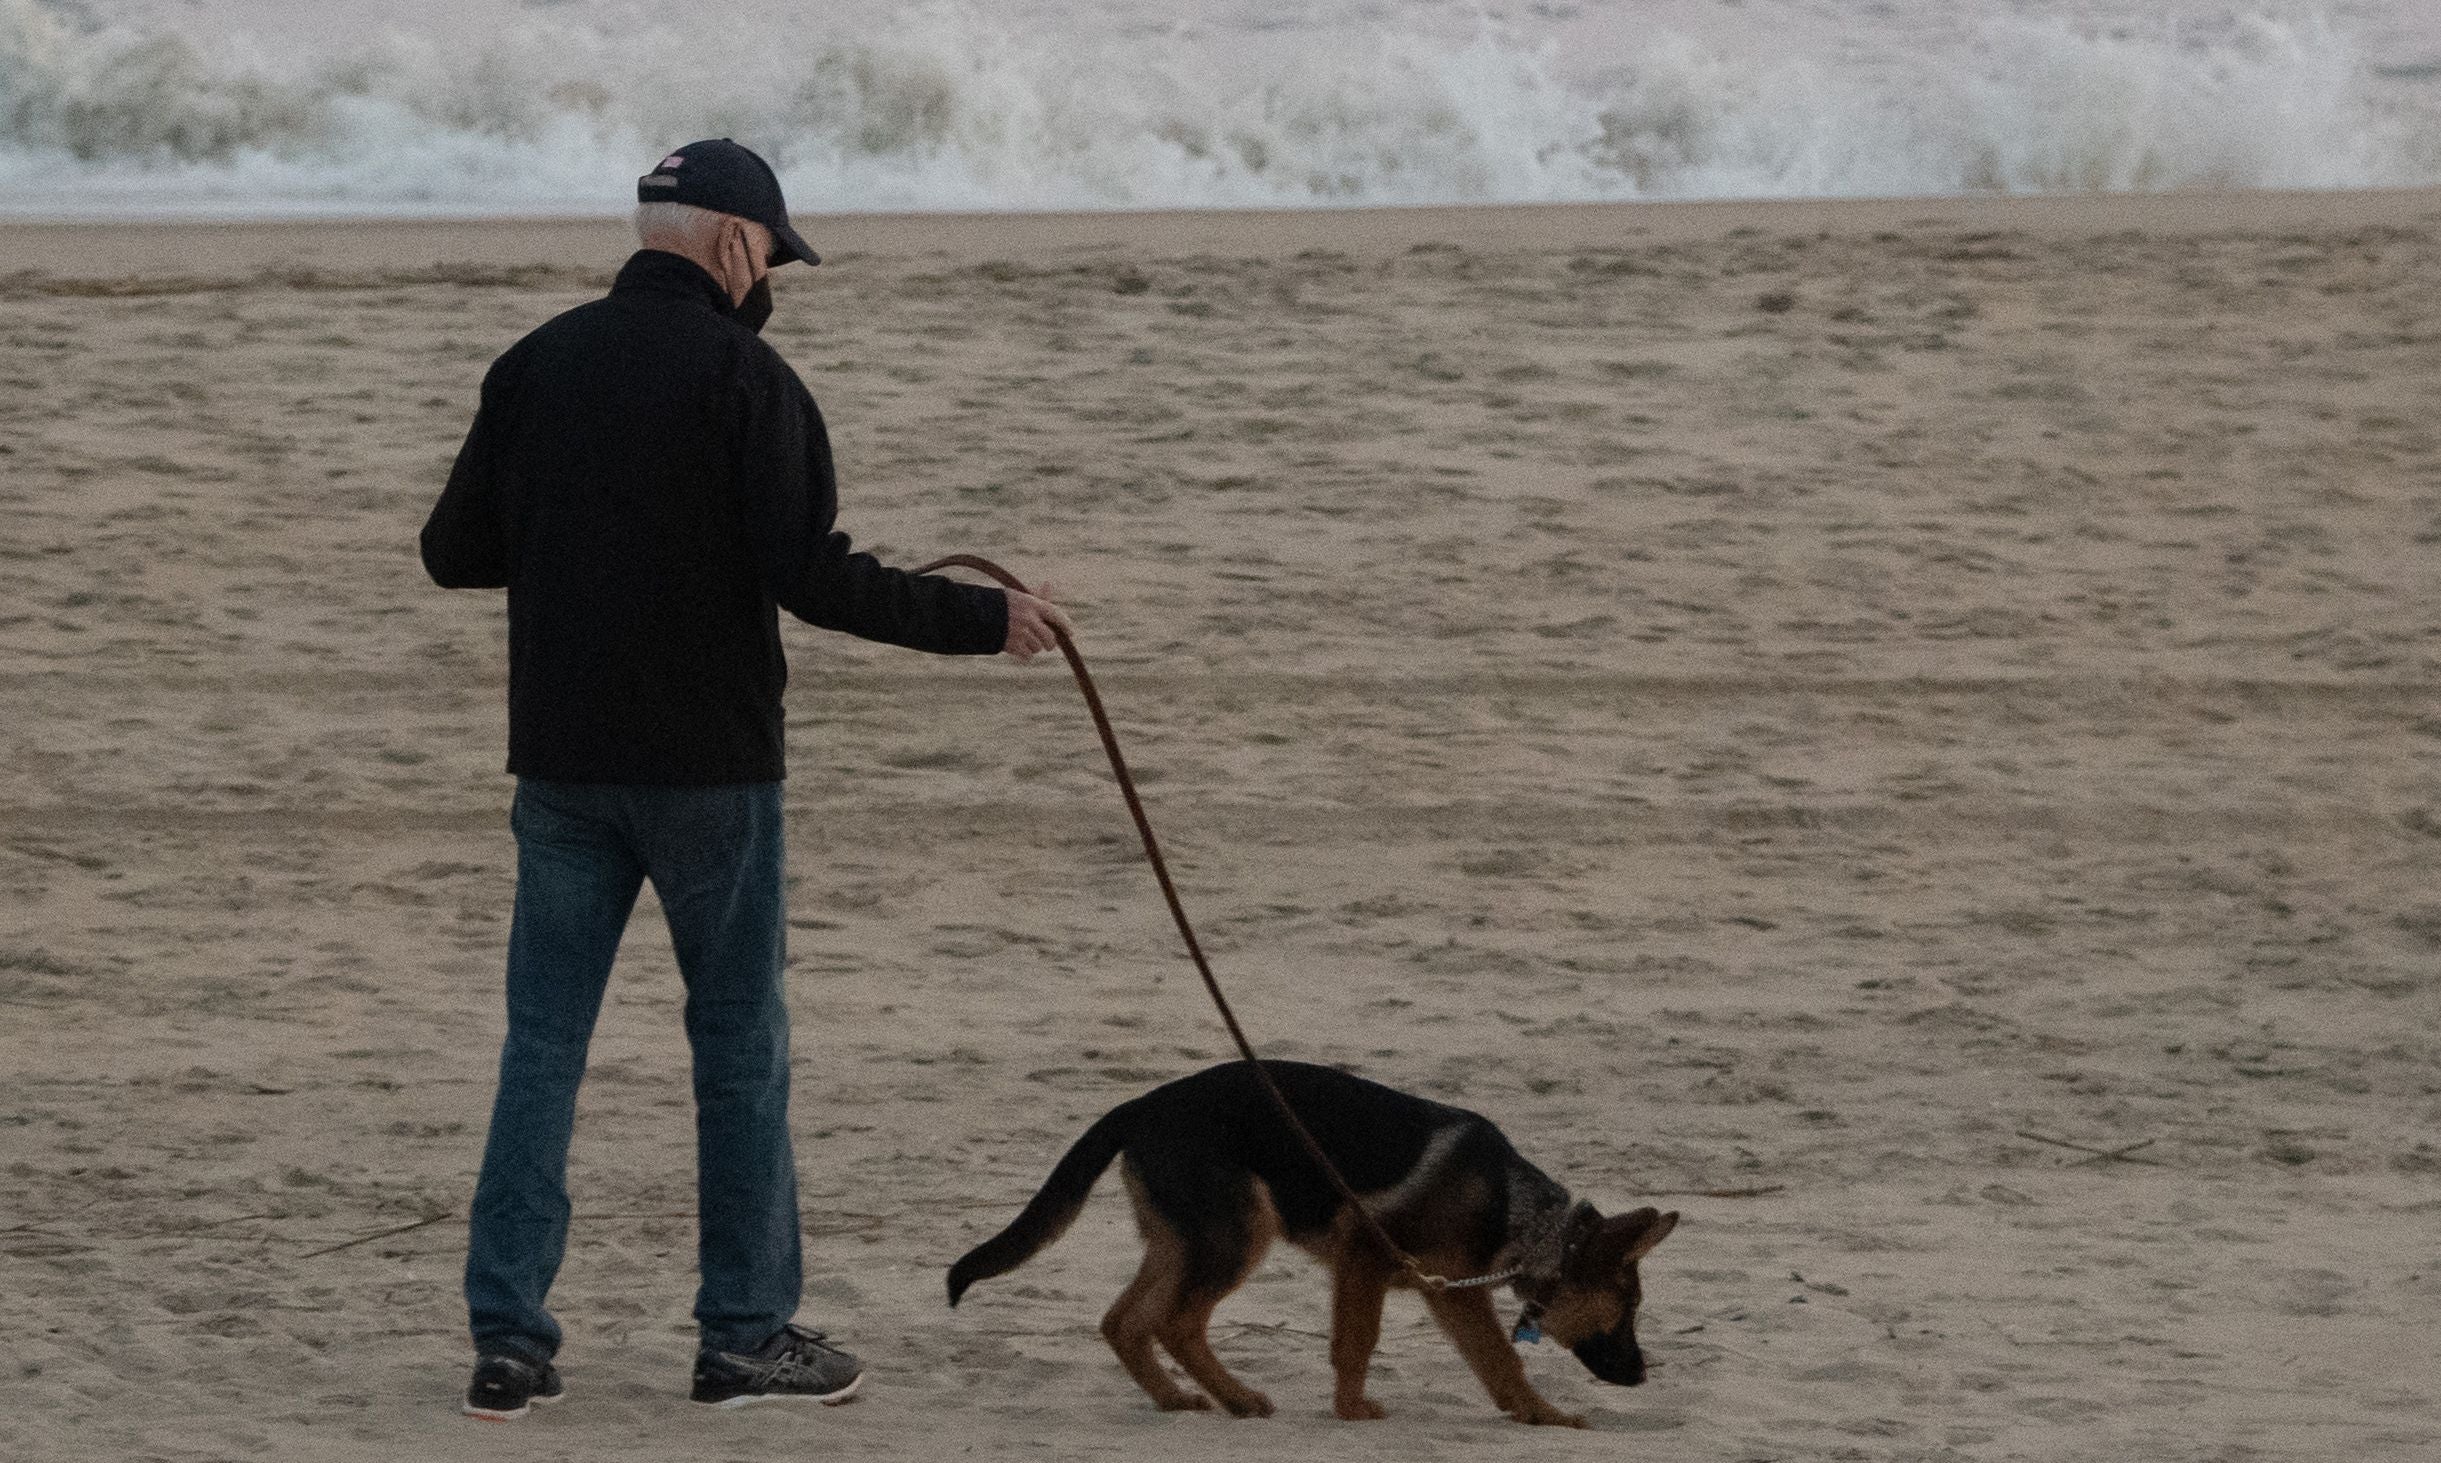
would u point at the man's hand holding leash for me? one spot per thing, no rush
(1035, 624)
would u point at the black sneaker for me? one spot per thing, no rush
(795, 1365)
(506, 1386)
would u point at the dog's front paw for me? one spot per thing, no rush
(1361, 1409)
(1248, 1404)
(1543, 1414)
(1187, 1402)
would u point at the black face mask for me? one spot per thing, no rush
(753, 310)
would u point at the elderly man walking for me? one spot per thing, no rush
(651, 483)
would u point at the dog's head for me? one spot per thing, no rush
(1592, 1310)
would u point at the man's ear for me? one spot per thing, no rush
(736, 251)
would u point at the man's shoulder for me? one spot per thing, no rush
(763, 364)
(618, 322)
(590, 316)
(720, 348)
(561, 329)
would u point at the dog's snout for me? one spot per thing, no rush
(1619, 1363)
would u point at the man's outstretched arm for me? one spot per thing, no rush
(816, 573)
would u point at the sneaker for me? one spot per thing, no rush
(794, 1365)
(506, 1386)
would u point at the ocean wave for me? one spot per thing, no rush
(944, 108)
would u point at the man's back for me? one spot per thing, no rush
(648, 480)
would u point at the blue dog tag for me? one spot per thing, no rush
(1526, 1331)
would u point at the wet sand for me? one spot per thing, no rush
(1831, 718)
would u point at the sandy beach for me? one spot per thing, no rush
(1907, 732)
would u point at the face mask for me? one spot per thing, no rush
(753, 310)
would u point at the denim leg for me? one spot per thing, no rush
(577, 881)
(714, 856)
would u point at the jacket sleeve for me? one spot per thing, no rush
(466, 540)
(791, 498)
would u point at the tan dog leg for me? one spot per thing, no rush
(1186, 1339)
(1474, 1324)
(1135, 1320)
(1358, 1285)
(1186, 1334)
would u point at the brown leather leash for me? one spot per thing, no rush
(1203, 967)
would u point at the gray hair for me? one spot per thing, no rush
(681, 228)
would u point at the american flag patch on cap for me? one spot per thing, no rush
(673, 160)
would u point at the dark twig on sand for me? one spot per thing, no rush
(2094, 1155)
(859, 1223)
(36, 850)
(368, 1239)
(1276, 1328)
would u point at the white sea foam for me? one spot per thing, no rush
(948, 108)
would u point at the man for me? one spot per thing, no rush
(648, 480)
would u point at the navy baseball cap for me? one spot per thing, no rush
(725, 177)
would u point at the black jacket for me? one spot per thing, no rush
(648, 479)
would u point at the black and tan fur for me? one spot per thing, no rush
(1216, 1176)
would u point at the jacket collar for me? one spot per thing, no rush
(657, 272)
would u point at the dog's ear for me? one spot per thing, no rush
(1637, 1232)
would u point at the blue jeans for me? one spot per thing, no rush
(584, 851)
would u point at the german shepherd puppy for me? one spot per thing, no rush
(1216, 1175)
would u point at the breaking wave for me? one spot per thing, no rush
(945, 108)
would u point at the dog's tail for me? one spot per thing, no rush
(1048, 1214)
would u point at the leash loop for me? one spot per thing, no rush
(1195, 949)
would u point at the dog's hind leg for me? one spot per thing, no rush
(1219, 1264)
(1135, 1321)
(1474, 1324)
